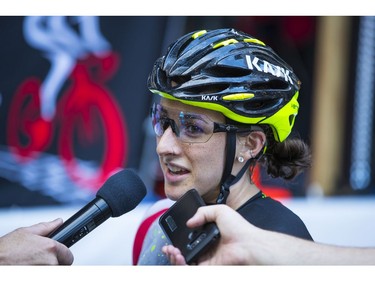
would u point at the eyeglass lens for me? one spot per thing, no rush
(189, 127)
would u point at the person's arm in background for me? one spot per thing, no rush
(29, 246)
(243, 243)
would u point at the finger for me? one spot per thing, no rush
(64, 255)
(205, 214)
(44, 228)
(180, 260)
(174, 255)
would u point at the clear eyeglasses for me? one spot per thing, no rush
(189, 127)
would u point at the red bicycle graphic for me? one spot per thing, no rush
(87, 116)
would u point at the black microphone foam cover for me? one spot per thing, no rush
(122, 192)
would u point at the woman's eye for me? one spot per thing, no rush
(193, 129)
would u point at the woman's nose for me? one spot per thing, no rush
(167, 143)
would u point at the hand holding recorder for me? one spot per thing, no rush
(191, 242)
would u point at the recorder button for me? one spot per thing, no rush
(193, 244)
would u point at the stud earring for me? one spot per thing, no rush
(251, 154)
(240, 159)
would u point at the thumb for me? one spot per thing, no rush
(205, 214)
(44, 228)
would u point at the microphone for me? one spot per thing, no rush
(121, 193)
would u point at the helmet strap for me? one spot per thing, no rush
(228, 179)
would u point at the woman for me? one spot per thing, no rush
(228, 102)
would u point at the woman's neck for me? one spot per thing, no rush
(241, 192)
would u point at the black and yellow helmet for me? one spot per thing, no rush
(231, 72)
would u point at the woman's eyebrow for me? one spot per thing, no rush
(197, 116)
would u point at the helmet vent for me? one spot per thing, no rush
(227, 72)
(263, 105)
(209, 89)
(270, 85)
(176, 81)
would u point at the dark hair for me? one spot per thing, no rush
(286, 159)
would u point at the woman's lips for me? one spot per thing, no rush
(174, 173)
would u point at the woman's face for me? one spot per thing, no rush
(188, 165)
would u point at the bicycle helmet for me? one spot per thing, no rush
(231, 72)
(234, 73)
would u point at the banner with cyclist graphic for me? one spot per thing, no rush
(73, 101)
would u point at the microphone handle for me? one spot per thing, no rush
(83, 222)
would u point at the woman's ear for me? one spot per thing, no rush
(254, 144)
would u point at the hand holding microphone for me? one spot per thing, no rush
(120, 194)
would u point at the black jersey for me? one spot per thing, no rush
(260, 210)
(267, 213)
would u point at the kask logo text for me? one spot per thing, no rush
(266, 67)
(209, 98)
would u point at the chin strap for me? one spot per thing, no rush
(228, 179)
(231, 180)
